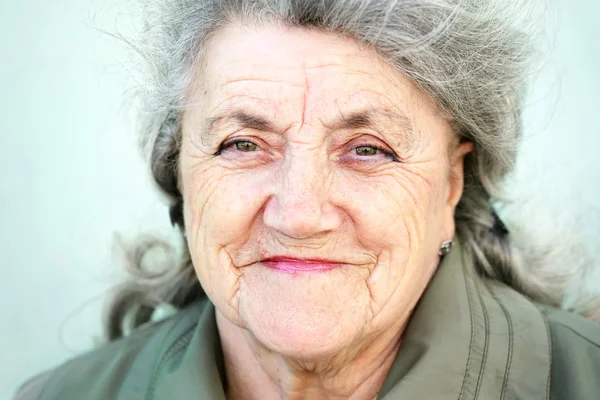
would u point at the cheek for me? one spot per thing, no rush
(220, 210)
(391, 210)
(396, 216)
(221, 204)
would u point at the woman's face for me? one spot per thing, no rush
(318, 184)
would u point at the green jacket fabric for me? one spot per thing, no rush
(468, 338)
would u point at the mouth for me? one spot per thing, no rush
(300, 265)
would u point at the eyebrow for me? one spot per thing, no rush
(370, 117)
(383, 119)
(373, 117)
(241, 118)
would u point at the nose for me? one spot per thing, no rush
(300, 206)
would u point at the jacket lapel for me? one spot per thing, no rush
(471, 338)
(198, 373)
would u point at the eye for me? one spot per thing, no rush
(244, 145)
(240, 145)
(365, 151)
(370, 151)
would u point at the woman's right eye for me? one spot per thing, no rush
(244, 145)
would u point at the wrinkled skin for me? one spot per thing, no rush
(377, 194)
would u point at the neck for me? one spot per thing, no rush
(255, 372)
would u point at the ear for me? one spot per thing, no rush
(456, 183)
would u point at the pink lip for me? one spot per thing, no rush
(296, 265)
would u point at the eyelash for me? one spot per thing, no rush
(229, 144)
(387, 153)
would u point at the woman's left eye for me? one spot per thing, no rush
(366, 151)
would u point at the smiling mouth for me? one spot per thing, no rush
(298, 265)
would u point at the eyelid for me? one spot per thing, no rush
(234, 141)
(230, 142)
(384, 151)
(379, 145)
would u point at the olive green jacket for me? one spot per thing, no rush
(469, 338)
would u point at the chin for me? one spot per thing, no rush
(300, 329)
(304, 316)
(300, 339)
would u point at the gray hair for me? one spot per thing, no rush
(472, 57)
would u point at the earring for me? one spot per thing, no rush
(445, 248)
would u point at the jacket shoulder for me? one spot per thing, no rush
(575, 355)
(96, 375)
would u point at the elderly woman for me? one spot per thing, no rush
(331, 165)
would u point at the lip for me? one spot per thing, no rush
(298, 265)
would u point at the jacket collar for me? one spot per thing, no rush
(471, 338)
(468, 338)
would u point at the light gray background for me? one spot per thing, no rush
(70, 175)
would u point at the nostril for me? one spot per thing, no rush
(300, 220)
(293, 217)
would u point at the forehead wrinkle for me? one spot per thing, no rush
(260, 70)
(262, 79)
(343, 70)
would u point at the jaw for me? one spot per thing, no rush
(355, 371)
